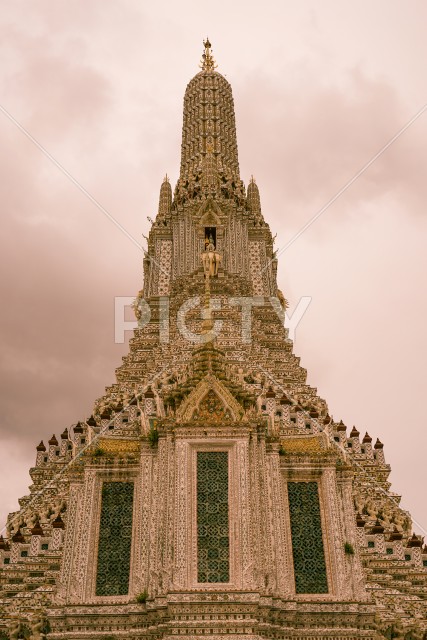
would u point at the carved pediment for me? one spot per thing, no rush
(209, 214)
(210, 220)
(210, 401)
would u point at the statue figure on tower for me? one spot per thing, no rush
(211, 258)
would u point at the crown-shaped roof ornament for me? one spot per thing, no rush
(207, 63)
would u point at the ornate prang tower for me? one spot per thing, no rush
(210, 493)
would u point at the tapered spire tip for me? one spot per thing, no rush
(207, 63)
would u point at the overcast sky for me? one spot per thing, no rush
(320, 88)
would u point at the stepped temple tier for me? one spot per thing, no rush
(210, 493)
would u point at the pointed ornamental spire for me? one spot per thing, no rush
(207, 63)
(254, 200)
(208, 118)
(165, 199)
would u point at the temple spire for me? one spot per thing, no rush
(208, 122)
(165, 198)
(207, 63)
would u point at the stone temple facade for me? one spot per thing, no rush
(210, 494)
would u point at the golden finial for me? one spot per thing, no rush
(207, 63)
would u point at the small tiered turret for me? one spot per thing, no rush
(379, 451)
(64, 443)
(367, 446)
(53, 448)
(41, 453)
(165, 198)
(254, 201)
(353, 441)
(79, 436)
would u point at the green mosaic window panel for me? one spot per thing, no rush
(115, 539)
(307, 541)
(213, 536)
